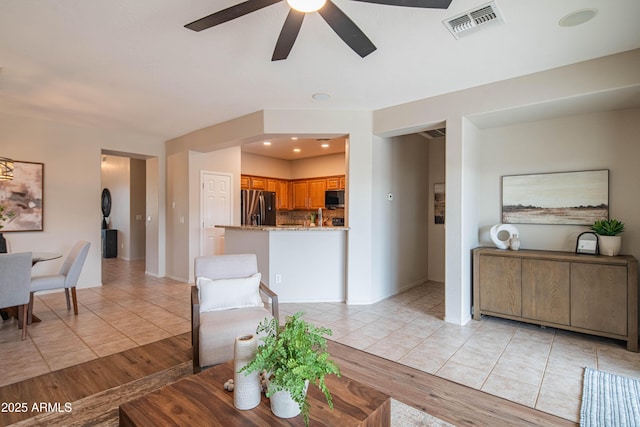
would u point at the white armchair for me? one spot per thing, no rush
(226, 303)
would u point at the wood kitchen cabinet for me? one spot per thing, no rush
(336, 182)
(309, 194)
(317, 188)
(304, 194)
(258, 183)
(245, 182)
(300, 194)
(282, 195)
(597, 295)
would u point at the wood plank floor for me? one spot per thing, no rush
(457, 404)
(78, 381)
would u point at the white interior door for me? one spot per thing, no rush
(216, 210)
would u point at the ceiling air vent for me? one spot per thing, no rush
(474, 20)
(434, 133)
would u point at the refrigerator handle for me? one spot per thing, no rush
(262, 210)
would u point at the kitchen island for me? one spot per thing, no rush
(300, 264)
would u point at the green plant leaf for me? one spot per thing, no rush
(294, 354)
(608, 227)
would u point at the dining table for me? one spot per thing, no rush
(36, 257)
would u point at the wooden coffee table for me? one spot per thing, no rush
(202, 400)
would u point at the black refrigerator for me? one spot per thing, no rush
(258, 207)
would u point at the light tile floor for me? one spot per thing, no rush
(540, 368)
(130, 310)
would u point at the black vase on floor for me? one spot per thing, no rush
(3, 244)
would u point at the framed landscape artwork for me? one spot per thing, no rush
(22, 197)
(577, 198)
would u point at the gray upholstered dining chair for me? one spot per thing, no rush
(226, 303)
(15, 277)
(66, 279)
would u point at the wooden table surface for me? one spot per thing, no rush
(202, 400)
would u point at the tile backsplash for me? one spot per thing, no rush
(299, 217)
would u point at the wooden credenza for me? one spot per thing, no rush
(596, 295)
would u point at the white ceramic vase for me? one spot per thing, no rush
(246, 392)
(283, 406)
(609, 245)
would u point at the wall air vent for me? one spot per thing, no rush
(474, 20)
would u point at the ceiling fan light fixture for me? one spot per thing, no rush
(306, 6)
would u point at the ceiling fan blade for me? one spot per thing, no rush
(346, 29)
(229, 13)
(430, 4)
(288, 35)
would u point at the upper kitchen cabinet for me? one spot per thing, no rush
(335, 182)
(278, 186)
(317, 187)
(282, 195)
(295, 194)
(309, 193)
(258, 183)
(300, 193)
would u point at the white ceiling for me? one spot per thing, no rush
(296, 148)
(131, 65)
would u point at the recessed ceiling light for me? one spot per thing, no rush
(267, 143)
(325, 145)
(321, 96)
(296, 150)
(578, 17)
(295, 138)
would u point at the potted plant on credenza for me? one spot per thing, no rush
(609, 239)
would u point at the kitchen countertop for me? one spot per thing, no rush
(281, 228)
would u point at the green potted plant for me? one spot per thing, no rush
(608, 231)
(293, 356)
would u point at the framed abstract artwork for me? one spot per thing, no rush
(577, 198)
(23, 197)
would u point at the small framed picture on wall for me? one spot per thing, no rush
(438, 203)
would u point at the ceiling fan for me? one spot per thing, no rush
(343, 26)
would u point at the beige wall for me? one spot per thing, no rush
(116, 176)
(332, 164)
(401, 224)
(72, 185)
(125, 178)
(226, 161)
(251, 128)
(605, 140)
(254, 164)
(435, 259)
(137, 213)
(583, 87)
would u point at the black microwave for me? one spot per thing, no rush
(334, 199)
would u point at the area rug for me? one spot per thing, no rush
(609, 400)
(101, 409)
